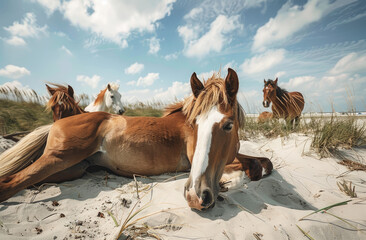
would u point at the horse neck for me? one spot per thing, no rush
(280, 101)
(92, 107)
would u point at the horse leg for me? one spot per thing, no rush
(71, 173)
(253, 167)
(48, 164)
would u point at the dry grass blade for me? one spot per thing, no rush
(305, 233)
(345, 221)
(352, 165)
(127, 223)
(114, 219)
(326, 208)
(347, 188)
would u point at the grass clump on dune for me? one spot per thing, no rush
(338, 132)
(22, 116)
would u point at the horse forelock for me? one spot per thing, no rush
(213, 94)
(62, 96)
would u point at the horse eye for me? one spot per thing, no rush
(228, 126)
(112, 96)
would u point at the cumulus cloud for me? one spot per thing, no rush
(263, 61)
(113, 20)
(14, 72)
(351, 63)
(154, 45)
(27, 28)
(65, 49)
(91, 81)
(148, 80)
(15, 41)
(280, 74)
(178, 90)
(290, 19)
(134, 68)
(212, 41)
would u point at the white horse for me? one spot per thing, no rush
(108, 100)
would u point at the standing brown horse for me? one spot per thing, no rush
(199, 133)
(287, 105)
(62, 102)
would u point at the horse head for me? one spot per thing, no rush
(269, 91)
(215, 116)
(62, 101)
(112, 99)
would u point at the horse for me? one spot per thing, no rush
(62, 102)
(287, 105)
(264, 117)
(198, 134)
(109, 99)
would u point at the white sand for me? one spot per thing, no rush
(299, 184)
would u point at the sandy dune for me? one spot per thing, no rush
(266, 209)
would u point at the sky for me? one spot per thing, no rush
(151, 48)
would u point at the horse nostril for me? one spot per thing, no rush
(121, 112)
(207, 198)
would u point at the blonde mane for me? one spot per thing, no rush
(213, 94)
(61, 96)
(100, 97)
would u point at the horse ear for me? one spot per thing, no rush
(196, 85)
(231, 84)
(275, 81)
(264, 81)
(70, 90)
(50, 90)
(109, 87)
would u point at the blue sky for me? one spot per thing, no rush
(151, 48)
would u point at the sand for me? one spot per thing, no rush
(265, 209)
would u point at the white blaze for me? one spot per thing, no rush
(204, 135)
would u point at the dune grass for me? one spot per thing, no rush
(22, 116)
(329, 133)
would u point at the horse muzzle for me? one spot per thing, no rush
(265, 104)
(202, 203)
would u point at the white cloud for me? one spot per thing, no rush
(263, 61)
(299, 82)
(154, 45)
(280, 74)
(148, 80)
(290, 19)
(178, 90)
(49, 5)
(66, 50)
(15, 41)
(213, 40)
(171, 56)
(114, 20)
(28, 28)
(352, 63)
(187, 33)
(134, 68)
(91, 81)
(14, 72)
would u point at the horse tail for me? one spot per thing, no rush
(26, 151)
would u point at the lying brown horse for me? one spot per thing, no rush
(264, 117)
(199, 133)
(62, 102)
(287, 105)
